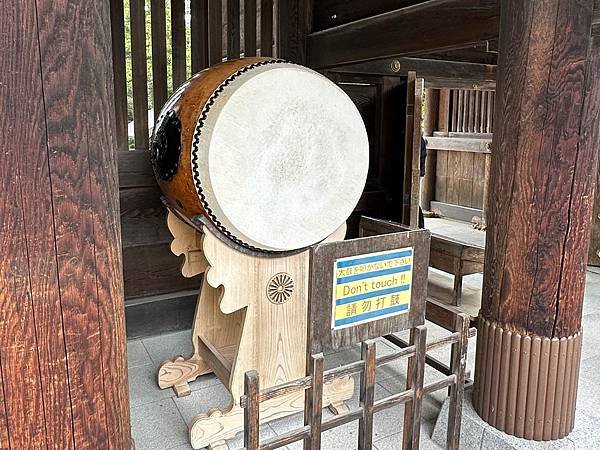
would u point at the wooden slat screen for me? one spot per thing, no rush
(178, 48)
(472, 111)
(162, 43)
(153, 39)
(199, 34)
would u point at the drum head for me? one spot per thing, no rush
(280, 156)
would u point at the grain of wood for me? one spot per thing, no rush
(178, 44)
(26, 290)
(201, 34)
(266, 27)
(159, 53)
(251, 412)
(117, 23)
(215, 32)
(313, 404)
(139, 73)
(543, 294)
(250, 16)
(367, 395)
(401, 31)
(233, 29)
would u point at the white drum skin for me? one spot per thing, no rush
(278, 155)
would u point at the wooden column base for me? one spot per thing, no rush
(526, 385)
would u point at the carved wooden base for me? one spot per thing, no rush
(216, 425)
(525, 385)
(251, 314)
(179, 372)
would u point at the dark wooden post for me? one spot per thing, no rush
(542, 175)
(62, 333)
(430, 123)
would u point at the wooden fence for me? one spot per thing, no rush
(217, 30)
(412, 397)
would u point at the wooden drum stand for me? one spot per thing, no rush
(251, 314)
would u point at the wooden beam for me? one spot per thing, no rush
(415, 29)
(455, 144)
(425, 68)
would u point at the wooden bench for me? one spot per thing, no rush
(449, 255)
(456, 257)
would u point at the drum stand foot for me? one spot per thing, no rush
(338, 408)
(179, 372)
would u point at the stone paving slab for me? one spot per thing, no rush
(159, 419)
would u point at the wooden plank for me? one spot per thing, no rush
(332, 13)
(415, 185)
(472, 53)
(461, 109)
(143, 217)
(458, 83)
(483, 111)
(477, 114)
(420, 28)
(233, 29)
(457, 390)
(454, 123)
(139, 73)
(199, 34)
(215, 32)
(159, 54)
(431, 115)
(153, 270)
(459, 144)
(412, 433)
(471, 111)
(453, 183)
(252, 410)
(490, 112)
(266, 27)
(434, 71)
(408, 146)
(294, 22)
(367, 395)
(135, 169)
(178, 44)
(441, 176)
(313, 404)
(250, 15)
(443, 119)
(23, 166)
(117, 22)
(465, 183)
(478, 181)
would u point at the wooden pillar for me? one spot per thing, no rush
(540, 201)
(62, 335)
(432, 100)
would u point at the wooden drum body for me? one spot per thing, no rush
(274, 154)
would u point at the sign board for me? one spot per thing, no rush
(365, 288)
(371, 286)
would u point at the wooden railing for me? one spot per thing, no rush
(412, 397)
(215, 33)
(471, 111)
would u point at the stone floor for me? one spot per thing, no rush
(159, 419)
